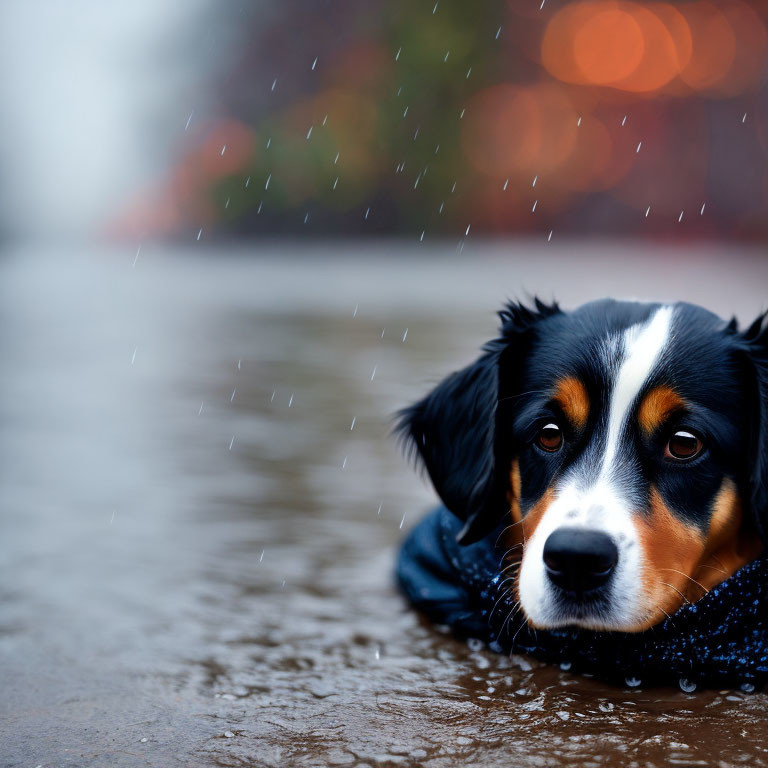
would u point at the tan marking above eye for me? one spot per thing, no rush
(571, 395)
(656, 407)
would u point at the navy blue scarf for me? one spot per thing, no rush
(719, 641)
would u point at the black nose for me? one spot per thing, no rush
(578, 560)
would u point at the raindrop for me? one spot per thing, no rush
(143, 740)
(397, 55)
(133, 356)
(261, 557)
(447, 54)
(441, 206)
(466, 232)
(624, 120)
(701, 212)
(498, 32)
(647, 211)
(367, 211)
(468, 72)
(271, 399)
(640, 144)
(325, 119)
(578, 122)
(374, 372)
(274, 83)
(565, 665)
(226, 205)
(309, 132)
(680, 217)
(290, 400)
(228, 734)
(306, 218)
(231, 442)
(314, 63)
(248, 181)
(403, 520)
(421, 239)
(535, 179)
(550, 235)
(378, 511)
(223, 150)
(336, 159)
(744, 119)
(269, 141)
(203, 403)
(405, 334)
(357, 306)
(232, 399)
(335, 182)
(688, 686)
(542, 4)
(269, 178)
(462, 113)
(189, 119)
(200, 233)
(506, 184)
(434, 10)
(344, 463)
(633, 682)
(405, 112)
(136, 257)
(533, 210)
(352, 425)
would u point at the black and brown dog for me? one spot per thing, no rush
(617, 455)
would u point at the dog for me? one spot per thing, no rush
(617, 455)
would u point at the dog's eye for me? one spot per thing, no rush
(550, 438)
(683, 446)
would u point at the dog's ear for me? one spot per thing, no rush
(755, 341)
(454, 427)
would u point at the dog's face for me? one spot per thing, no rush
(627, 444)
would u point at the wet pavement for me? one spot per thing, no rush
(200, 506)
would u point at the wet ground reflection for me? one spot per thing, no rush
(197, 540)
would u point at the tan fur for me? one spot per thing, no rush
(571, 395)
(656, 408)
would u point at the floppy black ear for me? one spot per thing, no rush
(454, 427)
(755, 340)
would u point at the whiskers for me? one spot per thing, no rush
(691, 579)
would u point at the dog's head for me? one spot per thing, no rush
(627, 443)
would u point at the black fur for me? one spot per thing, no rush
(454, 427)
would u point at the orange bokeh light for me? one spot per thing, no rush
(643, 47)
(609, 45)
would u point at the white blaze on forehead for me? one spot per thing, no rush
(643, 345)
(601, 505)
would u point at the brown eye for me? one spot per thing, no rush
(550, 438)
(683, 446)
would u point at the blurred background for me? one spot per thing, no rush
(235, 238)
(199, 120)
